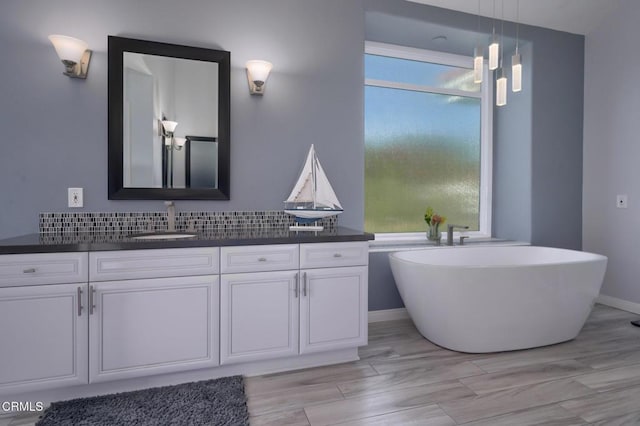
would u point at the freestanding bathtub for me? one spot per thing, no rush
(491, 299)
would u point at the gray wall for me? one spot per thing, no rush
(55, 128)
(512, 159)
(611, 150)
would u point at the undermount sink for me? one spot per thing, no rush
(163, 236)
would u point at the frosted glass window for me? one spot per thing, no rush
(422, 148)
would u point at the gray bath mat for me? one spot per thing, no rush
(210, 402)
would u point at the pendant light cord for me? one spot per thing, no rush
(502, 34)
(517, 24)
(493, 20)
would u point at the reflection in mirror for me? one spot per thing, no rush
(200, 153)
(168, 88)
(158, 95)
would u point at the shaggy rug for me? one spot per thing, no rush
(211, 402)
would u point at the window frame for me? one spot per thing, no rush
(486, 126)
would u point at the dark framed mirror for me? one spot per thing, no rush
(186, 88)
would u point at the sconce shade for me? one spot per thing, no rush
(73, 53)
(68, 48)
(180, 142)
(257, 73)
(169, 126)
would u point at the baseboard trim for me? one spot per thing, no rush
(614, 302)
(388, 315)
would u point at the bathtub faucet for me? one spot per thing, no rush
(450, 229)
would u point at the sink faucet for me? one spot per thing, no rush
(171, 216)
(450, 232)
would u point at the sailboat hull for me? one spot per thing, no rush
(311, 215)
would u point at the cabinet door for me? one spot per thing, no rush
(43, 337)
(333, 308)
(258, 316)
(152, 326)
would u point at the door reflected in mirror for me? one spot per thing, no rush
(154, 83)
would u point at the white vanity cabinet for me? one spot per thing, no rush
(78, 320)
(334, 303)
(43, 321)
(147, 316)
(318, 302)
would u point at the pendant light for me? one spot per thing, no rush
(516, 59)
(494, 47)
(501, 82)
(478, 56)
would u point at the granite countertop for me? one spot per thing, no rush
(88, 241)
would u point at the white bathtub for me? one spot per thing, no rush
(490, 299)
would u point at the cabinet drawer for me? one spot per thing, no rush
(42, 268)
(259, 258)
(160, 263)
(329, 255)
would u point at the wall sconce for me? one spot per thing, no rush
(169, 141)
(178, 143)
(73, 53)
(257, 74)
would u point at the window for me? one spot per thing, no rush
(427, 141)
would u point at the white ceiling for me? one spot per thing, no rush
(573, 16)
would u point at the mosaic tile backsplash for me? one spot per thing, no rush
(113, 222)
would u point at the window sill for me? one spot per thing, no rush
(388, 245)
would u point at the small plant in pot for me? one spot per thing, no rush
(433, 222)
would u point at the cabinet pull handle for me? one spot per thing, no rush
(296, 289)
(92, 292)
(29, 271)
(79, 301)
(262, 259)
(304, 284)
(337, 255)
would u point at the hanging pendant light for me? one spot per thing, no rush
(516, 59)
(478, 60)
(478, 56)
(494, 47)
(501, 88)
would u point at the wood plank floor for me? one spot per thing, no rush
(403, 379)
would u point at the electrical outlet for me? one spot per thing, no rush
(621, 201)
(75, 197)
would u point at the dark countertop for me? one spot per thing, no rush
(47, 243)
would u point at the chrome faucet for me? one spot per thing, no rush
(450, 233)
(171, 216)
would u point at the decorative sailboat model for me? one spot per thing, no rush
(312, 197)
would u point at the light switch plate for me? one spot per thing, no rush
(621, 201)
(75, 198)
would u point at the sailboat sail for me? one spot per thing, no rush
(312, 196)
(324, 192)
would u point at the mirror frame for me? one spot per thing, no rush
(116, 49)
